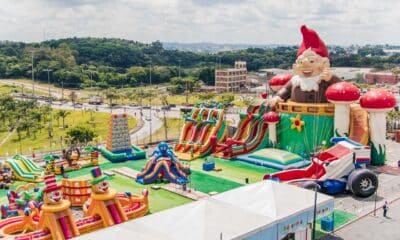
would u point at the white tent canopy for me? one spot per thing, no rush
(273, 199)
(263, 210)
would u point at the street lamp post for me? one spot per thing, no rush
(33, 77)
(48, 81)
(150, 108)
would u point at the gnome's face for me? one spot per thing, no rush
(309, 64)
(53, 197)
(101, 187)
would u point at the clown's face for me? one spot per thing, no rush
(309, 64)
(101, 187)
(54, 197)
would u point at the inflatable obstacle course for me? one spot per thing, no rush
(118, 143)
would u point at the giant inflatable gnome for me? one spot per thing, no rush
(311, 72)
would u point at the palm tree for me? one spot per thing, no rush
(73, 96)
(63, 114)
(111, 94)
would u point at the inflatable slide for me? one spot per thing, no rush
(251, 133)
(195, 138)
(25, 169)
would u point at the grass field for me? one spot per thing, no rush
(96, 120)
(174, 126)
(233, 170)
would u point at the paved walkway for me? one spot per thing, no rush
(372, 227)
(189, 193)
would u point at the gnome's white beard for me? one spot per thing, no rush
(306, 84)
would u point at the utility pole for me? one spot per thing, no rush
(165, 127)
(62, 90)
(33, 77)
(48, 82)
(150, 107)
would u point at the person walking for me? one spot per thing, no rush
(385, 208)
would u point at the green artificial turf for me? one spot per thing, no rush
(206, 183)
(340, 218)
(236, 171)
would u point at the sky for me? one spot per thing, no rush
(340, 22)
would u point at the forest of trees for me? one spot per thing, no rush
(100, 62)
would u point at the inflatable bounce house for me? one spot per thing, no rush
(118, 143)
(316, 118)
(163, 165)
(54, 219)
(204, 122)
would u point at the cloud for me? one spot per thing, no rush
(220, 21)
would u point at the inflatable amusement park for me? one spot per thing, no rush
(314, 132)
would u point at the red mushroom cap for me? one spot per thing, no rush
(342, 92)
(378, 100)
(264, 95)
(278, 81)
(272, 117)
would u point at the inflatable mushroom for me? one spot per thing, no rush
(377, 103)
(272, 118)
(264, 95)
(342, 94)
(278, 81)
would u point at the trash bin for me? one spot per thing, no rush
(327, 224)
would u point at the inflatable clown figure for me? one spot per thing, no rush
(312, 75)
(103, 201)
(99, 183)
(52, 193)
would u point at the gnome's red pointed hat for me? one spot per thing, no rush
(312, 40)
(51, 184)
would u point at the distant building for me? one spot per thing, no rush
(231, 79)
(381, 77)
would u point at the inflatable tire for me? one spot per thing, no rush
(363, 183)
(310, 185)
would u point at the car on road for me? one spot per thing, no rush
(165, 108)
(146, 107)
(148, 118)
(78, 105)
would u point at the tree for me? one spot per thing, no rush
(206, 96)
(73, 97)
(178, 85)
(80, 135)
(207, 75)
(63, 114)
(111, 94)
(227, 98)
